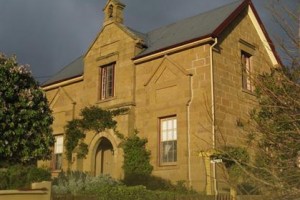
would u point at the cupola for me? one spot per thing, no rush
(113, 12)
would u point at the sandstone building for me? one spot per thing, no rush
(185, 85)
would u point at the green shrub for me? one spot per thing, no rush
(150, 182)
(38, 174)
(79, 185)
(3, 180)
(122, 192)
(136, 164)
(19, 176)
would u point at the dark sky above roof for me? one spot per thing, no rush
(72, 70)
(50, 34)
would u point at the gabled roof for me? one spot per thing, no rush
(196, 27)
(204, 25)
(74, 69)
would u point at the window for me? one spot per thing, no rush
(168, 140)
(58, 151)
(246, 71)
(107, 81)
(110, 11)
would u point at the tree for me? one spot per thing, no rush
(25, 117)
(273, 133)
(137, 167)
(273, 130)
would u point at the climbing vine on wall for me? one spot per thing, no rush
(93, 119)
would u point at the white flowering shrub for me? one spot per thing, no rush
(25, 117)
(76, 183)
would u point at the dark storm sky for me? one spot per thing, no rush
(48, 34)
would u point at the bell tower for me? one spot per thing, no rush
(113, 12)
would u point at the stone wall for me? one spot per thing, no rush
(38, 191)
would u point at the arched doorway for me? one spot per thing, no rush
(104, 157)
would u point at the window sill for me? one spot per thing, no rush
(168, 166)
(248, 92)
(106, 100)
(56, 170)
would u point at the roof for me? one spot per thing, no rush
(185, 30)
(207, 24)
(74, 69)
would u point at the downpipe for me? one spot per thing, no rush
(213, 130)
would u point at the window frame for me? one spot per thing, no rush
(58, 154)
(107, 87)
(167, 131)
(247, 70)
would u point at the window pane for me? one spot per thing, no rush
(169, 151)
(246, 71)
(175, 124)
(58, 161)
(58, 150)
(164, 125)
(170, 124)
(164, 136)
(58, 147)
(175, 135)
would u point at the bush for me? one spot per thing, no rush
(19, 176)
(77, 183)
(137, 167)
(69, 183)
(38, 174)
(150, 182)
(3, 180)
(100, 184)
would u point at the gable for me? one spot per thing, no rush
(166, 71)
(104, 39)
(205, 25)
(61, 100)
(262, 33)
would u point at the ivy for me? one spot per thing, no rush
(136, 157)
(92, 119)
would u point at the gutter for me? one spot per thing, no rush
(63, 83)
(173, 49)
